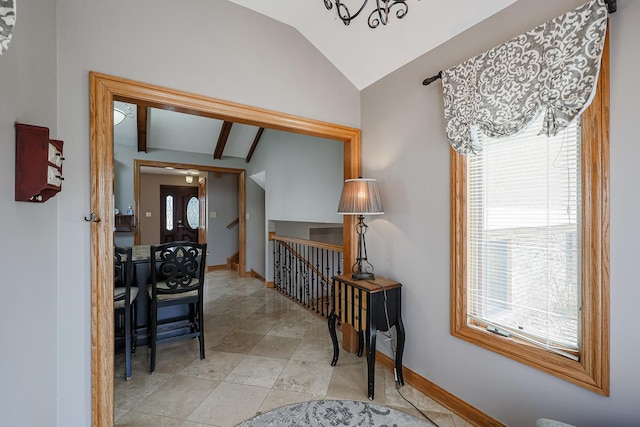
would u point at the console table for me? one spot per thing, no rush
(361, 304)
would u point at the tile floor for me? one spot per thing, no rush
(263, 351)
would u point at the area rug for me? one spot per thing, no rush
(321, 413)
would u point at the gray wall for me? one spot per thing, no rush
(222, 50)
(318, 232)
(28, 261)
(304, 176)
(409, 156)
(207, 47)
(223, 200)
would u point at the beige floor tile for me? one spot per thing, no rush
(255, 325)
(178, 397)
(139, 419)
(229, 404)
(129, 394)
(119, 413)
(349, 381)
(290, 329)
(459, 422)
(319, 331)
(313, 351)
(278, 398)
(216, 366)
(305, 377)
(263, 351)
(395, 398)
(171, 360)
(440, 419)
(257, 371)
(237, 342)
(275, 346)
(194, 424)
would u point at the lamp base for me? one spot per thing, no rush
(363, 276)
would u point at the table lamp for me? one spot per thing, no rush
(361, 197)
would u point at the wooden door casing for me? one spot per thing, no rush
(104, 89)
(202, 196)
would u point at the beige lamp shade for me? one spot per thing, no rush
(360, 196)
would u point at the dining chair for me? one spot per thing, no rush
(124, 301)
(177, 277)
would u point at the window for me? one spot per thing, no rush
(530, 248)
(169, 212)
(193, 213)
(523, 228)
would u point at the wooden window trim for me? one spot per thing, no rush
(592, 370)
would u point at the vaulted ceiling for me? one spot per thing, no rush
(364, 55)
(146, 127)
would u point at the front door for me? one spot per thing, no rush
(180, 213)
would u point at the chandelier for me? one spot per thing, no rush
(379, 15)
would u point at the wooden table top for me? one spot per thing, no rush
(376, 285)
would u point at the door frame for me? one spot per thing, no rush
(103, 90)
(138, 164)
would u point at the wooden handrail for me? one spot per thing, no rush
(232, 223)
(304, 260)
(320, 245)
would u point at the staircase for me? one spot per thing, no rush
(233, 262)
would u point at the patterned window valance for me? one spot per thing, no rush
(552, 69)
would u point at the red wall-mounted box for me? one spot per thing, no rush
(38, 164)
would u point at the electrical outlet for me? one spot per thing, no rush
(147, 214)
(213, 214)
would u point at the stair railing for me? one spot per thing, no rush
(302, 270)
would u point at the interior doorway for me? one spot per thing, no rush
(104, 89)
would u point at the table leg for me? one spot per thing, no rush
(399, 350)
(360, 343)
(334, 338)
(370, 335)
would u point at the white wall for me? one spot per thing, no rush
(28, 258)
(409, 156)
(207, 47)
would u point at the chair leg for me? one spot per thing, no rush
(127, 342)
(134, 321)
(201, 327)
(154, 332)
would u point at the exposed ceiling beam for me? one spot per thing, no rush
(142, 128)
(222, 139)
(255, 144)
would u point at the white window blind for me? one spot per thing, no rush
(524, 236)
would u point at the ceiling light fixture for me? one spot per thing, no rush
(379, 15)
(188, 178)
(119, 115)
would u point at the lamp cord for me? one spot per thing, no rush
(392, 341)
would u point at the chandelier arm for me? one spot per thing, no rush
(379, 15)
(343, 11)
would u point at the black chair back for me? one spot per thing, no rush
(179, 265)
(123, 270)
